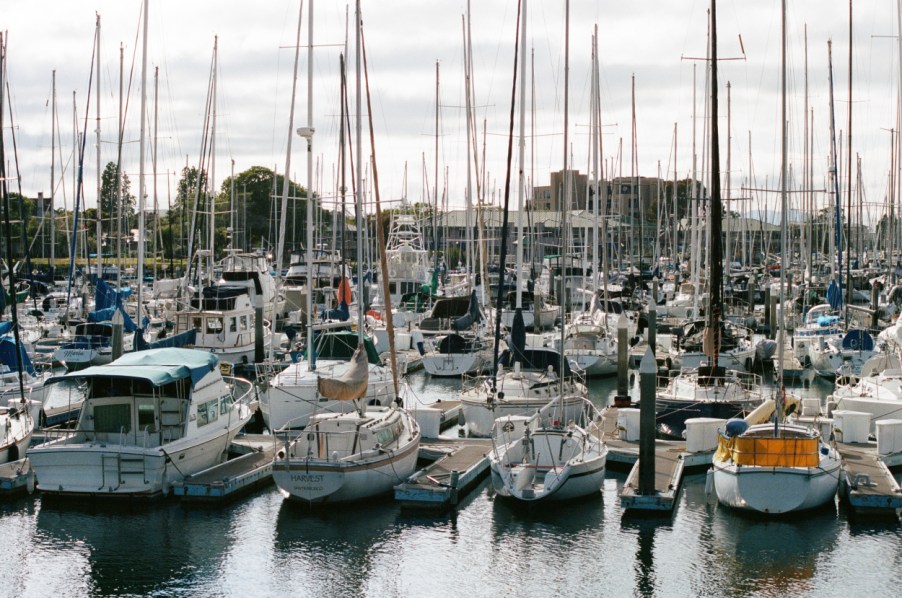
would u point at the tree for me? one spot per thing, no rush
(109, 194)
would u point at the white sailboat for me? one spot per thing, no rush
(773, 468)
(343, 457)
(16, 425)
(544, 457)
(758, 470)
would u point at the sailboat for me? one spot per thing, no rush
(343, 457)
(710, 390)
(543, 457)
(776, 467)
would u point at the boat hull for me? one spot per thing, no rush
(775, 490)
(320, 481)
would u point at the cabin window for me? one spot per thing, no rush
(225, 403)
(146, 417)
(244, 322)
(233, 324)
(207, 413)
(392, 287)
(112, 418)
(214, 325)
(198, 324)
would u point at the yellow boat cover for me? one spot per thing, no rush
(769, 452)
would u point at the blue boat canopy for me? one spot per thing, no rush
(156, 366)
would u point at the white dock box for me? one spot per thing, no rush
(701, 433)
(628, 424)
(851, 426)
(889, 436)
(429, 420)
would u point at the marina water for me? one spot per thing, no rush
(262, 545)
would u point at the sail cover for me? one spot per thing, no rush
(351, 385)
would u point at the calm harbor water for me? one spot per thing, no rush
(265, 546)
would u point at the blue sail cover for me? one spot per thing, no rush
(106, 296)
(156, 366)
(834, 295)
(106, 315)
(858, 340)
(8, 354)
(182, 339)
(5, 327)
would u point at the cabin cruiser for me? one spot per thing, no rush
(149, 419)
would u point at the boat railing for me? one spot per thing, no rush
(242, 391)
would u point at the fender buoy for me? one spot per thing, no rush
(374, 314)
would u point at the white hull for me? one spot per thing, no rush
(110, 470)
(775, 490)
(457, 364)
(533, 483)
(593, 362)
(347, 464)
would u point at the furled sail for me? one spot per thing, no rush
(351, 385)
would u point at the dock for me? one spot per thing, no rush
(233, 478)
(866, 483)
(671, 462)
(461, 464)
(16, 478)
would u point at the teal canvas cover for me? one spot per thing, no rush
(156, 366)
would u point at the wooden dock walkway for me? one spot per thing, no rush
(671, 462)
(234, 478)
(440, 485)
(866, 483)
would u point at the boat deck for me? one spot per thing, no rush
(440, 485)
(866, 483)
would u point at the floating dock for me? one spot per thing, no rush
(16, 477)
(234, 478)
(866, 483)
(461, 464)
(672, 459)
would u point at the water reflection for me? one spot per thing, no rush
(332, 552)
(128, 548)
(772, 555)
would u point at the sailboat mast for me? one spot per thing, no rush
(521, 192)
(565, 204)
(141, 181)
(52, 179)
(849, 181)
(283, 216)
(784, 207)
(99, 223)
(715, 256)
(308, 134)
(211, 183)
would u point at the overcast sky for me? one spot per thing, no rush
(649, 39)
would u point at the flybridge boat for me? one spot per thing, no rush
(149, 419)
(224, 318)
